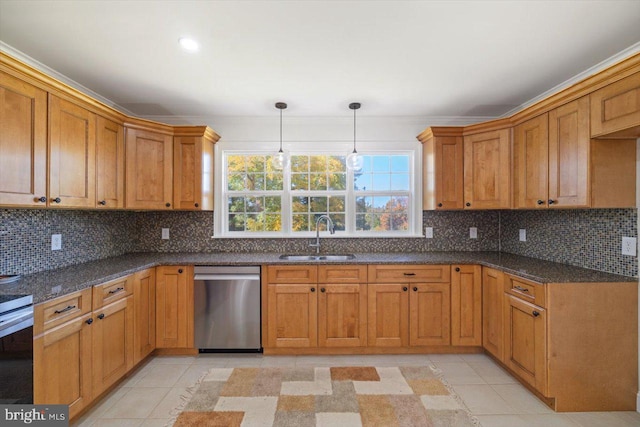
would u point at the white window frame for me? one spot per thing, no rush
(413, 150)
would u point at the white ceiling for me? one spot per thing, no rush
(399, 58)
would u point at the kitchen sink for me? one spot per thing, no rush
(319, 257)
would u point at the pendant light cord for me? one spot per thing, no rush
(280, 132)
(354, 130)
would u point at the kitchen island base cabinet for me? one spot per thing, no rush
(174, 307)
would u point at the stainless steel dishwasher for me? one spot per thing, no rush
(227, 309)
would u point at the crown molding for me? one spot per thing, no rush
(620, 56)
(26, 59)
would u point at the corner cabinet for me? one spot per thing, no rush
(487, 170)
(23, 142)
(442, 168)
(149, 169)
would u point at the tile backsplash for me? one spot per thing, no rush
(587, 238)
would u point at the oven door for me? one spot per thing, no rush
(16, 358)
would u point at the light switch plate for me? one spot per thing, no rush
(523, 235)
(629, 246)
(165, 234)
(473, 232)
(56, 242)
(428, 232)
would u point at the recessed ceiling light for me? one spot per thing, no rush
(188, 44)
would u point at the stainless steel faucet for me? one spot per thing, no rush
(330, 227)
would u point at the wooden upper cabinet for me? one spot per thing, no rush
(615, 109)
(442, 155)
(487, 170)
(149, 170)
(531, 163)
(23, 143)
(193, 171)
(109, 164)
(569, 145)
(72, 155)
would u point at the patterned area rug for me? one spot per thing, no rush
(336, 397)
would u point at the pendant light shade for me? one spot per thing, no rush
(280, 160)
(354, 160)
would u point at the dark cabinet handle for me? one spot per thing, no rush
(102, 202)
(179, 271)
(322, 290)
(415, 289)
(409, 274)
(168, 204)
(64, 310)
(439, 205)
(313, 289)
(89, 321)
(536, 314)
(551, 201)
(521, 289)
(57, 200)
(404, 288)
(116, 290)
(197, 205)
(101, 316)
(467, 204)
(540, 202)
(457, 269)
(42, 199)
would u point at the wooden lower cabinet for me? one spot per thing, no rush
(466, 305)
(430, 314)
(342, 315)
(292, 315)
(525, 344)
(174, 307)
(144, 314)
(388, 318)
(493, 312)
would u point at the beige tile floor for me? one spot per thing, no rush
(148, 395)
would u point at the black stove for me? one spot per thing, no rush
(16, 349)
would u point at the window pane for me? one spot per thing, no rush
(236, 222)
(318, 163)
(299, 164)
(235, 163)
(381, 182)
(236, 204)
(319, 204)
(272, 222)
(363, 203)
(300, 222)
(380, 163)
(337, 181)
(362, 182)
(400, 182)
(339, 221)
(235, 182)
(300, 181)
(337, 164)
(318, 182)
(275, 182)
(272, 204)
(255, 163)
(300, 204)
(400, 163)
(254, 204)
(336, 204)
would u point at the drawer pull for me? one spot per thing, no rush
(405, 289)
(457, 269)
(313, 289)
(64, 310)
(89, 321)
(101, 316)
(116, 290)
(535, 314)
(415, 289)
(521, 289)
(409, 274)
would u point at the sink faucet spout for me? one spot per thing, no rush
(330, 227)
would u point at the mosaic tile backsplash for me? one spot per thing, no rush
(586, 238)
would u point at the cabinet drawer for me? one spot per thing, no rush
(55, 312)
(111, 291)
(409, 273)
(342, 274)
(292, 274)
(525, 290)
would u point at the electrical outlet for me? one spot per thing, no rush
(428, 232)
(523, 235)
(56, 242)
(629, 246)
(165, 234)
(473, 233)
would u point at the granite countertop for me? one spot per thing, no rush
(49, 284)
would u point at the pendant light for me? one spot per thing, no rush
(280, 160)
(354, 160)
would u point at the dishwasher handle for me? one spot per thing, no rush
(226, 277)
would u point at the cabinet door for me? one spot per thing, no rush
(188, 182)
(531, 163)
(526, 341)
(487, 170)
(492, 311)
(342, 315)
(388, 315)
(72, 155)
(569, 145)
(292, 315)
(615, 109)
(144, 314)
(149, 170)
(430, 314)
(174, 307)
(443, 178)
(23, 143)
(112, 343)
(62, 365)
(466, 305)
(109, 164)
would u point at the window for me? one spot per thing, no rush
(253, 199)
